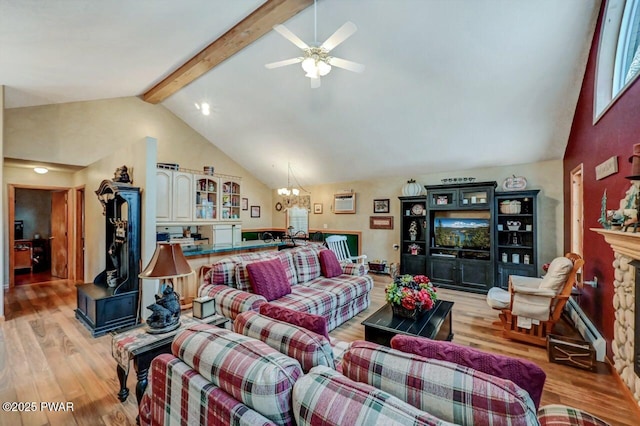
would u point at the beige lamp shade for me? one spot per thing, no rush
(168, 261)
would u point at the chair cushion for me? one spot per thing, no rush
(326, 397)
(451, 392)
(522, 372)
(557, 274)
(311, 322)
(307, 264)
(247, 369)
(269, 279)
(309, 348)
(498, 298)
(329, 264)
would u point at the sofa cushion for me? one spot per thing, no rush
(309, 348)
(311, 322)
(326, 397)
(555, 414)
(307, 264)
(289, 267)
(329, 264)
(556, 276)
(247, 369)
(449, 391)
(345, 289)
(223, 272)
(522, 372)
(268, 279)
(310, 300)
(229, 302)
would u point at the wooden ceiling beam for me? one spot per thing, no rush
(245, 32)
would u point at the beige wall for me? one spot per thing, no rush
(378, 244)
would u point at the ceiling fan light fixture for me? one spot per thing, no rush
(323, 68)
(309, 64)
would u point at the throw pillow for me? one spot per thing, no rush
(315, 323)
(329, 264)
(557, 274)
(307, 264)
(522, 372)
(269, 279)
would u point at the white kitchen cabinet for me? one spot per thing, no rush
(174, 200)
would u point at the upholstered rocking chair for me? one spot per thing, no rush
(338, 245)
(536, 304)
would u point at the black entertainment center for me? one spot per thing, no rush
(465, 241)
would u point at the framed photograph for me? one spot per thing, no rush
(381, 205)
(381, 222)
(245, 204)
(255, 211)
(317, 208)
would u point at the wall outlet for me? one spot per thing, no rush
(324, 225)
(396, 247)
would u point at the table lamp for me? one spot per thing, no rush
(168, 262)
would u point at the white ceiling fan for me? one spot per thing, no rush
(316, 61)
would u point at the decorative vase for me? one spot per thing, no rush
(414, 314)
(411, 188)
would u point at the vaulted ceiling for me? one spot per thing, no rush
(448, 85)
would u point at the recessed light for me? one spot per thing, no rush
(40, 170)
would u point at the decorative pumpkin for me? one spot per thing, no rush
(514, 183)
(411, 188)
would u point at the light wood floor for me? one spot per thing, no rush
(46, 355)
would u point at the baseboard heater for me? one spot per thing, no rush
(586, 328)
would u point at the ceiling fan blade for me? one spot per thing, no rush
(347, 65)
(315, 82)
(286, 62)
(341, 34)
(284, 31)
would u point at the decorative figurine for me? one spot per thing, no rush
(166, 312)
(122, 175)
(413, 230)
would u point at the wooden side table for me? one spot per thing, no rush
(136, 344)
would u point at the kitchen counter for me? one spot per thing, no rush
(244, 246)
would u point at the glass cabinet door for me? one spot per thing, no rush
(206, 198)
(230, 200)
(473, 197)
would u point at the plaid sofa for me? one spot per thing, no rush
(337, 299)
(216, 377)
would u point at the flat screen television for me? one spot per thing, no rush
(466, 233)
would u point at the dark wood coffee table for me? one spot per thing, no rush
(435, 324)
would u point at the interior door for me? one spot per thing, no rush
(59, 226)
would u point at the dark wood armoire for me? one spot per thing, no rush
(111, 301)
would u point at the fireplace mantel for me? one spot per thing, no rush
(625, 243)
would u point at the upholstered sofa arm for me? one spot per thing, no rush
(357, 269)
(561, 415)
(230, 302)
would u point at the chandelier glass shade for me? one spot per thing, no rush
(289, 195)
(316, 62)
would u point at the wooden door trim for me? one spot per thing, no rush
(79, 200)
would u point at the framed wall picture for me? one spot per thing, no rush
(317, 208)
(381, 205)
(255, 211)
(381, 222)
(245, 204)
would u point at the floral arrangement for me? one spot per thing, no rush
(415, 294)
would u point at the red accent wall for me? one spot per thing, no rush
(614, 134)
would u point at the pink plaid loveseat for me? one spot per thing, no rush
(337, 299)
(287, 376)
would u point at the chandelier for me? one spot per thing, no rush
(290, 195)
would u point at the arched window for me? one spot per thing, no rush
(618, 63)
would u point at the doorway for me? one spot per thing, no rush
(39, 238)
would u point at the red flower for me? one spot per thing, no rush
(409, 302)
(421, 279)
